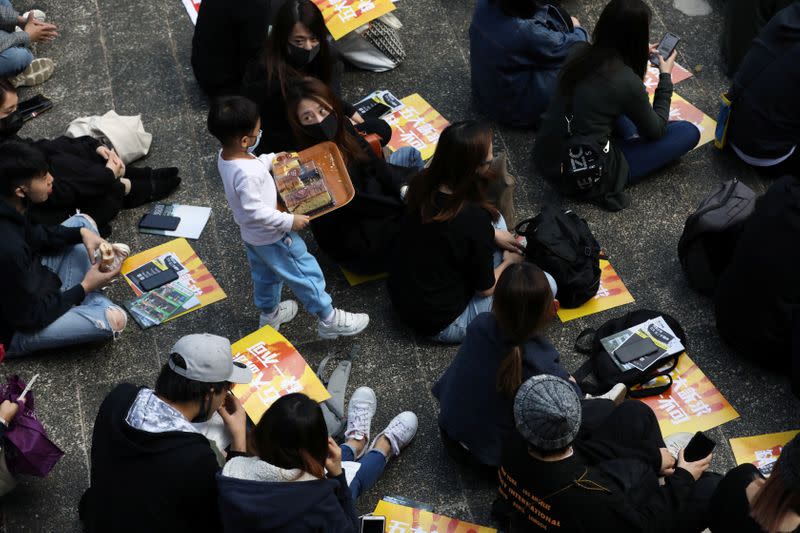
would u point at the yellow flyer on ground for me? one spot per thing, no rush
(692, 404)
(278, 369)
(415, 124)
(761, 450)
(178, 255)
(343, 16)
(402, 519)
(612, 293)
(354, 279)
(680, 109)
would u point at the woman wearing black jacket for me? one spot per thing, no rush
(359, 235)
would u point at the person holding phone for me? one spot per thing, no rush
(607, 480)
(601, 98)
(296, 482)
(50, 276)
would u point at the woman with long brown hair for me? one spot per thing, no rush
(746, 502)
(359, 235)
(502, 349)
(450, 251)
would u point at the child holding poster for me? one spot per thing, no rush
(275, 251)
(291, 445)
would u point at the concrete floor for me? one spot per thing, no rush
(134, 57)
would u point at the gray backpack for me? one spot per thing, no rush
(711, 232)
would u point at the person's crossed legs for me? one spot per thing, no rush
(96, 319)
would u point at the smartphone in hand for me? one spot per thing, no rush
(665, 48)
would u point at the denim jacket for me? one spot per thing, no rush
(515, 61)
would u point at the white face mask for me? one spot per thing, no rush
(251, 149)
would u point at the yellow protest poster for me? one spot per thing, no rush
(402, 519)
(178, 255)
(278, 369)
(680, 109)
(354, 279)
(415, 124)
(692, 403)
(343, 16)
(612, 293)
(760, 450)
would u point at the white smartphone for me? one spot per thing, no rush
(373, 524)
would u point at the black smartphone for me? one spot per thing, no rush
(665, 48)
(157, 280)
(635, 348)
(373, 524)
(698, 448)
(164, 222)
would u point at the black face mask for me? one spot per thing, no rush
(300, 57)
(205, 412)
(325, 130)
(10, 125)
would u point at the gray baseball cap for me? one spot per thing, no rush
(209, 360)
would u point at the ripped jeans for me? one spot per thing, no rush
(83, 323)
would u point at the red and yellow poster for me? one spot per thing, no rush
(278, 369)
(192, 272)
(760, 450)
(343, 16)
(692, 404)
(192, 7)
(415, 124)
(402, 519)
(651, 77)
(612, 293)
(680, 109)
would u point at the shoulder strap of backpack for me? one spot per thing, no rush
(655, 391)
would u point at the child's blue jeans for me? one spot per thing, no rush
(83, 323)
(288, 261)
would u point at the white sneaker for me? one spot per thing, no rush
(360, 410)
(399, 432)
(285, 312)
(616, 394)
(39, 71)
(343, 324)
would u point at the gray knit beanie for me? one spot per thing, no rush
(547, 412)
(790, 464)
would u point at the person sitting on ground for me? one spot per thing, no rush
(87, 176)
(601, 96)
(765, 251)
(16, 58)
(359, 235)
(227, 36)
(275, 251)
(606, 482)
(296, 481)
(298, 46)
(502, 349)
(151, 469)
(764, 124)
(8, 411)
(743, 21)
(50, 277)
(453, 245)
(516, 49)
(747, 502)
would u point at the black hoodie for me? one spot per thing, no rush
(143, 481)
(32, 297)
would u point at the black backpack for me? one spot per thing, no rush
(606, 372)
(561, 243)
(710, 234)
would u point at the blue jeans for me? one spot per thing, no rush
(372, 464)
(408, 157)
(83, 323)
(457, 330)
(646, 156)
(288, 261)
(15, 59)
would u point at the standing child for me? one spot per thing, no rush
(276, 253)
